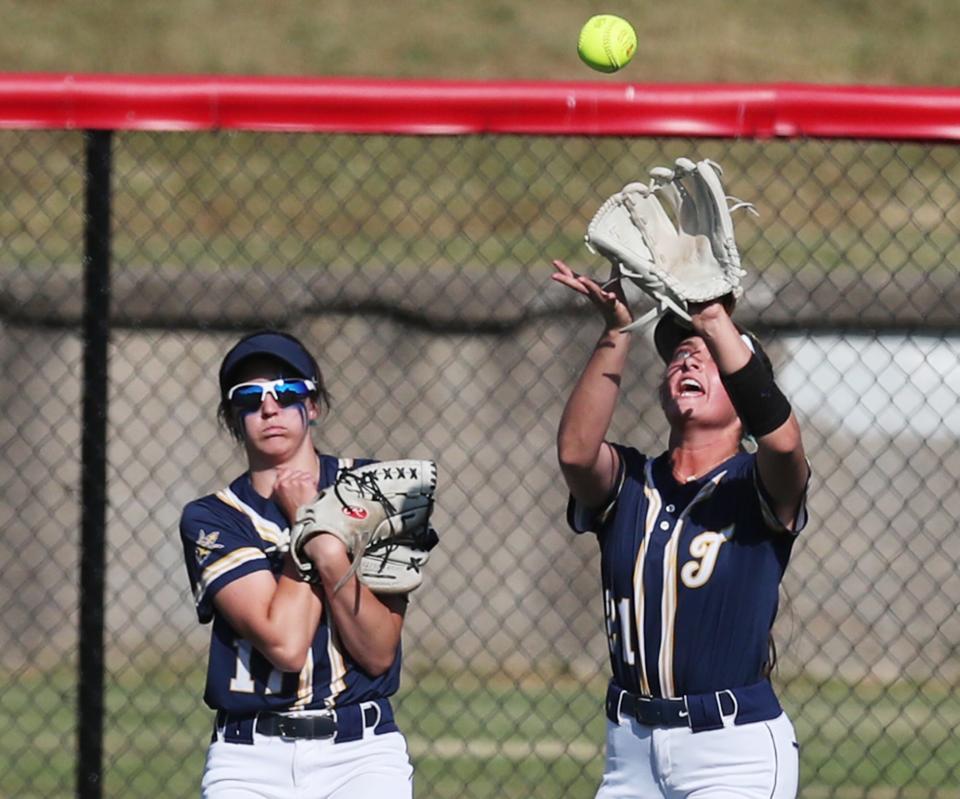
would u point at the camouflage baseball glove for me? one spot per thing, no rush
(381, 512)
(671, 238)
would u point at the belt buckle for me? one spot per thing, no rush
(286, 726)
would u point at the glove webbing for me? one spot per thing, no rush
(364, 484)
(659, 290)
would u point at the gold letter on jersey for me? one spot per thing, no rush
(705, 548)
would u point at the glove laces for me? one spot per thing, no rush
(367, 486)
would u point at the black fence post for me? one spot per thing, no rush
(93, 477)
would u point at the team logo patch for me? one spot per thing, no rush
(206, 543)
(355, 511)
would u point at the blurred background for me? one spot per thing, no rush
(418, 269)
(836, 41)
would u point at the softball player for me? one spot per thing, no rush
(300, 676)
(693, 544)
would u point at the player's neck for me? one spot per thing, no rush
(263, 471)
(691, 457)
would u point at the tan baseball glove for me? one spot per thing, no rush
(381, 512)
(672, 238)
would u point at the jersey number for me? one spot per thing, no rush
(242, 682)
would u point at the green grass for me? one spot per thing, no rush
(476, 736)
(901, 735)
(471, 736)
(855, 41)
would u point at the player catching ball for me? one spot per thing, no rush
(694, 541)
(303, 564)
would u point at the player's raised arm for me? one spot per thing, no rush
(693, 547)
(765, 412)
(588, 464)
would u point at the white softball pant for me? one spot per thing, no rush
(759, 760)
(374, 767)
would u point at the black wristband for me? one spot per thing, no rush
(758, 401)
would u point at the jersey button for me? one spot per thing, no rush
(670, 509)
(664, 525)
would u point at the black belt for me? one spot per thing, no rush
(343, 724)
(654, 711)
(699, 712)
(309, 727)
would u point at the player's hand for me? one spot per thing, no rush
(293, 489)
(329, 556)
(703, 315)
(609, 301)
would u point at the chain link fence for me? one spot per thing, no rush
(417, 268)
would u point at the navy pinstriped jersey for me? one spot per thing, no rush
(691, 575)
(236, 532)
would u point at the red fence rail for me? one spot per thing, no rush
(128, 102)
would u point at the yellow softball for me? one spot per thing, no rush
(607, 42)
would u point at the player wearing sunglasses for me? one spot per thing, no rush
(286, 392)
(299, 673)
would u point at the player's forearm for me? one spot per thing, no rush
(365, 625)
(783, 469)
(728, 350)
(589, 410)
(279, 619)
(367, 628)
(762, 407)
(290, 625)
